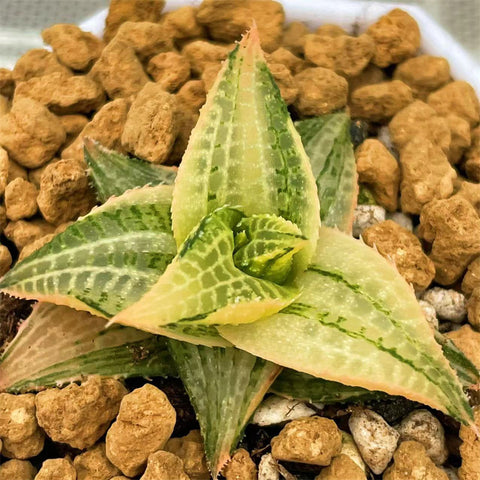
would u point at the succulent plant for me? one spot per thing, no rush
(243, 266)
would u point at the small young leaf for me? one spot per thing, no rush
(265, 246)
(225, 386)
(203, 286)
(328, 144)
(245, 151)
(357, 322)
(57, 345)
(113, 173)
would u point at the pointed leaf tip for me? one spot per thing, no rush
(245, 151)
(251, 40)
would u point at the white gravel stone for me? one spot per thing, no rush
(430, 313)
(402, 219)
(350, 449)
(268, 468)
(365, 216)
(275, 410)
(375, 438)
(449, 304)
(424, 428)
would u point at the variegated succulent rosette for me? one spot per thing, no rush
(227, 278)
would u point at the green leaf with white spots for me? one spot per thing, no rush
(245, 151)
(57, 345)
(203, 286)
(328, 144)
(105, 261)
(113, 174)
(357, 322)
(225, 386)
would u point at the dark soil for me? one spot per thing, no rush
(12, 313)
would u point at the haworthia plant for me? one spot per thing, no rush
(57, 345)
(301, 386)
(467, 372)
(225, 385)
(113, 173)
(293, 384)
(328, 144)
(204, 286)
(357, 322)
(107, 261)
(365, 196)
(245, 151)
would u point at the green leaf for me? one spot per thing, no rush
(105, 261)
(245, 151)
(108, 260)
(58, 345)
(203, 286)
(113, 173)
(225, 386)
(301, 386)
(467, 372)
(357, 322)
(292, 384)
(365, 196)
(328, 144)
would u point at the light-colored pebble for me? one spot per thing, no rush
(470, 448)
(411, 462)
(56, 469)
(350, 449)
(314, 440)
(275, 410)
(365, 216)
(144, 423)
(79, 415)
(374, 437)
(164, 466)
(268, 468)
(424, 428)
(17, 470)
(93, 464)
(430, 313)
(240, 467)
(191, 450)
(22, 438)
(402, 219)
(342, 468)
(449, 304)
